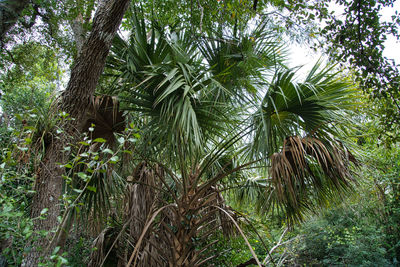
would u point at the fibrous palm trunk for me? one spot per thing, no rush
(196, 220)
(76, 98)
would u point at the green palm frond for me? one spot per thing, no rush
(252, 191)
(162, 77)
(292, 108)
(239, 64)
(299, 120)
(105, 189)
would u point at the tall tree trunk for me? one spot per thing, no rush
(75, 101)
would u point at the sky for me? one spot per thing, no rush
(392, 46)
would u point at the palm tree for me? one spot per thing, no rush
(217, 110)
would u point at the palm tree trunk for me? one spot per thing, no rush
(185, 254)
(76, 98)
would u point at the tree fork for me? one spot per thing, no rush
(76, 98)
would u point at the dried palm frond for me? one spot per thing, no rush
(104, 113)
(104, 249)
(196, 221)
(141, 200)
(307, 171)
(140, 196)
(215, 198)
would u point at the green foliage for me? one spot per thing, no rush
(28, 84)
(234, 251)
(342, 236)
(93, 175)
(30, 63)
(47, 23)
(79, 249)
(383, 172)
(20, 235)
(92, 183)
(199, 17)
(16, 227)
(358, 37)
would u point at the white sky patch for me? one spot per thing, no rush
(304, 57)
(392, 46)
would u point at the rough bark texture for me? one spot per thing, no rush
(79, 32)
(10, 11)
(76, 98)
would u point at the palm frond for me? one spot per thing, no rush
(162, 78)
(239, 64)
(308, 172)
(291, 108)
(105, 117)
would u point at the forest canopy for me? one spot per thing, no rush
(176, 133)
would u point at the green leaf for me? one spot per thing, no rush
(68, 165)
(84, 143)
(91, 188)
(22, 148)
(108, 151)
(100, 140)
(56, 249)
(114, 159)
(83, 176)
(44, 211)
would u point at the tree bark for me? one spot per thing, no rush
(75, 101)
(79, 32)
(10, 11)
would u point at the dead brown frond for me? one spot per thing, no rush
(225, 223)
(141, 200)
(104, 247)
(140, 196)
(307, 163)
(104, 113)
